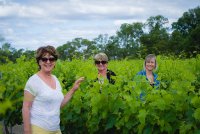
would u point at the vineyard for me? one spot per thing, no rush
(172, 108)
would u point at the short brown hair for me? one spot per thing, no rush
(45, 49)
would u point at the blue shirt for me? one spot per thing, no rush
(155, 76)
(155, 84)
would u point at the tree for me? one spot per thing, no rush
(188, 28)
(5, 53)
(156, 40)
(77, 48)
(65, 51)
(112, 48)
(189, 21)
(101, 41)
(194, 42)
(28, 53)
(129, 38)
(176, 44)
(88, 48)
(8, 53)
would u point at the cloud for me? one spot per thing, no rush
(21, 11)
(31, 23)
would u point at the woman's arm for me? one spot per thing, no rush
(27, 103)
(69, 95)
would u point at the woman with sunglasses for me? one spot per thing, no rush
(101, 62)
(43, 96)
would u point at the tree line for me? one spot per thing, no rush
(133, 40)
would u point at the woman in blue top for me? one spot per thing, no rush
(150, 65)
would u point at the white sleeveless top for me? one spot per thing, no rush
(45, 110)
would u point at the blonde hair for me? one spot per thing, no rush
(147, 58)
(101, 57)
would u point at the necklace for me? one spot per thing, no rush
(101, 81)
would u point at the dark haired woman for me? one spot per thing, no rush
(43, 96)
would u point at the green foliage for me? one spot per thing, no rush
(118, 107)
(172, 108)
(12, 82)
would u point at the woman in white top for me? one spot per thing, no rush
(43, 96)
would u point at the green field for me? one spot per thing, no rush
(172, 108)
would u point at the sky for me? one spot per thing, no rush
(29, 24)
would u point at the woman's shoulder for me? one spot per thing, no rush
(54, 76)
(33, 77)
(110, 72)
(142, 72)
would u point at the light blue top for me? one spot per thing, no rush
(155, 84)
(155, 76)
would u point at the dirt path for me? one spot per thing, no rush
(17, 129)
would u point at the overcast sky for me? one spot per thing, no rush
(29, 24)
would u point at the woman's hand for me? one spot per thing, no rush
(68, 96)
(77, 83)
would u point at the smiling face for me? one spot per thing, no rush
(101, 61)
(46, 55)
(150, 64)
(47, 62)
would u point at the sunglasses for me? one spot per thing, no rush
(50, 59)
(102, 62)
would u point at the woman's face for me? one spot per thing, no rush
(47, 62)
(101, 65)
(150, 64)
